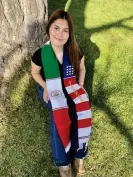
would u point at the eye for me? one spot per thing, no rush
(56, 28)
(66, 31)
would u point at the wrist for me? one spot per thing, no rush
(44, 86)
(81, 84)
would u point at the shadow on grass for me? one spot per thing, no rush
(27, 148)
(92, 52)
(27, 151)
(116, 24)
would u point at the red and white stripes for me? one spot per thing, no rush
(83, 110)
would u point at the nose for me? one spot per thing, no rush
(60, 33)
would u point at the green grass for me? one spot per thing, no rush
(104, 30)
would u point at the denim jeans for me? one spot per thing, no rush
(61, 158)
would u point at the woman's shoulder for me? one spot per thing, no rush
(36, 57)
(39, 50)
(36, 53)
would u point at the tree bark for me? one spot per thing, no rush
(22, 31)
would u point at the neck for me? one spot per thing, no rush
(57, 49)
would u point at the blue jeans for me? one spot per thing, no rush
(61, 158)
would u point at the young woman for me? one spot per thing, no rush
(58, 67)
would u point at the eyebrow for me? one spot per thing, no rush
(59, 27)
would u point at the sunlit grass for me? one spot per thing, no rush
(111, 145)
(68, 3)
(18, 93)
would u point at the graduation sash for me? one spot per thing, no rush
(83, 116)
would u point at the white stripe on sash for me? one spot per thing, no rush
(84, 131)
(59, 102)
(54, 109)
(55, 93)
(75, 86)
(85, 140)
(68, 147)
(83, 97)
(84, 114)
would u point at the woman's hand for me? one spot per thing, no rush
(85, 92)
(45, 96)
(81, 85)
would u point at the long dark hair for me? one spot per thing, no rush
(75, 53)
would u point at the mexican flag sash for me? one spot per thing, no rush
(59, 101)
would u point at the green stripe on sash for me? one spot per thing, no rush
(49, 62)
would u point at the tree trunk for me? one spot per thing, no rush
(22, 31)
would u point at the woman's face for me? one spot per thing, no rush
(59, 32)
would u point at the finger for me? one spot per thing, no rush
(86, 92)
(46, 100)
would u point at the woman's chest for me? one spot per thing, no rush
(60, 57)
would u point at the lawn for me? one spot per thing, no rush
(104, 31)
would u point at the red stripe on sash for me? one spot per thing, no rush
(63, 122)
(84, 123)
(77, 93)
(69, 81)
(83, 106)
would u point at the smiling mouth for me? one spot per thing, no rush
(59, 39)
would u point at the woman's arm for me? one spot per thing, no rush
(82, 72)
(35, 72)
